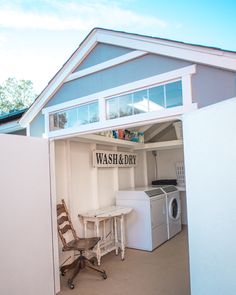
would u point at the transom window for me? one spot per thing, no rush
(73, 117)
(144, 101)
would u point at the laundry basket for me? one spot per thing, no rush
(180, 173)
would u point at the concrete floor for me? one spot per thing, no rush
(161, 272)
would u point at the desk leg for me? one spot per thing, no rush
(116, 235)
(98, 249)
(85, 228)
(122, 235)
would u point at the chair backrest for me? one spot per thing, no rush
(64, 224)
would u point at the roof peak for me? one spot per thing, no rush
(156, 38)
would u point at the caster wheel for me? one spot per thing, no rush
(104, 275)
(70, 285)
(122, 259)
(62, 274)
(93, 261)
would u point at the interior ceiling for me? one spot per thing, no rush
(157, 132)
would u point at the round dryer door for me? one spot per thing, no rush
(174, 208)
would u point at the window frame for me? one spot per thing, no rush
(141, 89)
(71, 108)
(183, 74)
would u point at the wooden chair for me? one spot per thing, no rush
(66, 228)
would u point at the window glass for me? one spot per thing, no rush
(148, 100)
(82, 112)
(80, 115)
(156, 98)
(174, 94)
(140, 102)
(112, 108)
(53, 122)
(68, 118)
(125, 105)
(93, 112)
(62, 120)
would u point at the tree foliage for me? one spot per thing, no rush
(16, 95)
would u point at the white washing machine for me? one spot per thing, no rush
(146, 225)
(173, 209)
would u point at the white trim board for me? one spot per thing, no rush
(105, 65)
(209, 56)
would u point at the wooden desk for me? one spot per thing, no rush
(108, 223)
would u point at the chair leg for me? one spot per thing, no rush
(80, 263)
(67, 267)
(91, 266)
(76, 271)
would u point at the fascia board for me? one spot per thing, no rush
(212, 57)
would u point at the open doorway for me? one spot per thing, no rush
(159, 149)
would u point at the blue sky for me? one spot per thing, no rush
(37, 37)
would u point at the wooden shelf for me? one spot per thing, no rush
(164, 145)
(99, 139)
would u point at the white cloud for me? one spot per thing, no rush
(75, 16)
(24, 54)
(27, 65)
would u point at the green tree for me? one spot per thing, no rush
(16, 95)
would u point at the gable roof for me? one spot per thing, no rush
(196, 53)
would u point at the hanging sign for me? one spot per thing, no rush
(114, 159)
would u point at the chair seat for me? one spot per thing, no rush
(81, 244)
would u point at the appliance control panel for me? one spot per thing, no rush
(154, 192)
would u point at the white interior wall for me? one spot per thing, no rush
(166, 161)
(140, 171)
(85, 187)
(83, 194)
(62, 186)
(61, 171)
(150, 167)
(106, 182)
(125, 177)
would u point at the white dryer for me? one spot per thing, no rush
(173, 208)
(146, 225)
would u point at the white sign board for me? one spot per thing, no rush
(114, 159)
